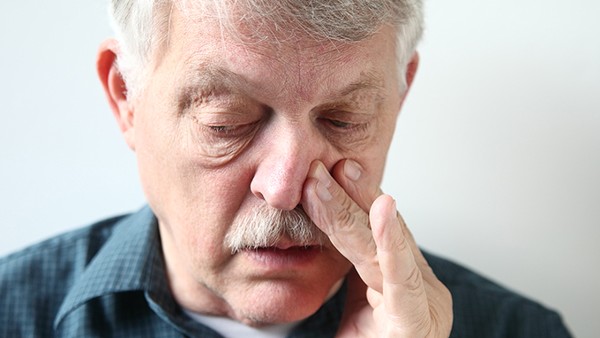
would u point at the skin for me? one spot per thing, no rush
(222, 126)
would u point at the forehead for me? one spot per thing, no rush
(201, 50)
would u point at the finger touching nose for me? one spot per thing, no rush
(282, 171)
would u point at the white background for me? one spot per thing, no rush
(495, 163)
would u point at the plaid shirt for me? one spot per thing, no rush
(108, 280)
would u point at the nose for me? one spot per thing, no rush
(282, 170)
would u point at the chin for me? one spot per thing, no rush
(277, 302)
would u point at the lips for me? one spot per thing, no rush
(286, 250)
(286, 244)
(283, 255)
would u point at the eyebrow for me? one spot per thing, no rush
(212, 81)
(216, 77)
(367, 81)
(209, 81)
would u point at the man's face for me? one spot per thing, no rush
(225, 126)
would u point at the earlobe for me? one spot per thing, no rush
(115, 89)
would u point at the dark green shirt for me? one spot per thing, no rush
(108, 280)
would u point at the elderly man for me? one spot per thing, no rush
(261, 130)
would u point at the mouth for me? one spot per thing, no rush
(283, 256)
(286, 250)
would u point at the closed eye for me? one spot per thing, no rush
(230, 130)
(340, 124)
(221, 129)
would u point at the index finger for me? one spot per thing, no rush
(344, 221)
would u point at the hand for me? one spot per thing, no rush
(392, 291)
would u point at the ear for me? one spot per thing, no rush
(116, 89)
(411, 69)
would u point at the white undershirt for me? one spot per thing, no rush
(230, 328)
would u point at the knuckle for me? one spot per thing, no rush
(344, 217)
(348, 215)
(348, 203)
(441, 323)
(402, 244)
(413, 283)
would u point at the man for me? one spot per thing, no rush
(261, 130)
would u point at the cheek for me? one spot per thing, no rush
(209, 209)
(197, 203)
(372, 156)
(199, 212)
(211, 197)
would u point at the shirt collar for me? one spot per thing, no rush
(131, 259)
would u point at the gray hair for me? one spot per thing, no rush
(141, 26)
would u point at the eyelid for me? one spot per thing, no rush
(226, 129)
(229, 111)
(224, 116)
(215, 101)
(339, 123)
(345, 116)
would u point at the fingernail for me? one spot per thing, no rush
(323, 184)
(352, 170)
(323, 192)
(322, 175)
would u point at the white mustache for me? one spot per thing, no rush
(266, 226)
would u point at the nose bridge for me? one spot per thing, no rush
(281, 172)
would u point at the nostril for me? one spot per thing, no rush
(259, 195)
